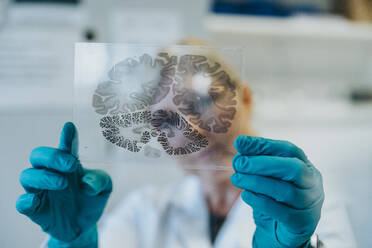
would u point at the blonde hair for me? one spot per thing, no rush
(214, 56)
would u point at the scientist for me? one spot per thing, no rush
(280, 205)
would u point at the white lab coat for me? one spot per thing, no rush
(176, 216)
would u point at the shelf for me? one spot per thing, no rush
(297, 26)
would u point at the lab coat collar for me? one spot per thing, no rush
(188, 197)
(238, 229)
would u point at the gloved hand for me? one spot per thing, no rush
(62, 197)
(284, 189)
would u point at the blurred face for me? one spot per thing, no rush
(214, 106)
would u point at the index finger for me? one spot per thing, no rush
(69, 139)
(255, 146)
(291, 170)
(51, 158)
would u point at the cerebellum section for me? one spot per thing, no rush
(195, 140)
(159, 121)
(111, 126)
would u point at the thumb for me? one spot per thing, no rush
(69, 139)
(96, 182)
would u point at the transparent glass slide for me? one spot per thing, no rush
(158, 104)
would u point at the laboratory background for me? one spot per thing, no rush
(308, 63)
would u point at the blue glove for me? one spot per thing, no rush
(283, 188)
(62, 197)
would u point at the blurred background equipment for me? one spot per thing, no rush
(281, 8)
(316, 62)
(360, 10)
(36, 48)
(125, 26)
(309, 64)
(3, 11)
